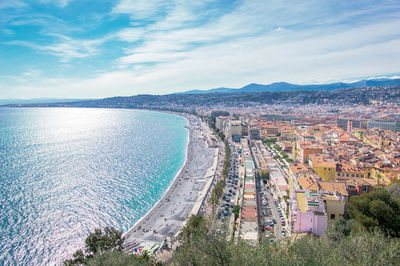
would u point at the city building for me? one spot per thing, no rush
(254, 133)
(384, 124)
(308, 213)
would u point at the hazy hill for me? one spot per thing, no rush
(344, 96)
(283, 86)
(37, 100)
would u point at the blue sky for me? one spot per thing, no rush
(83, 48)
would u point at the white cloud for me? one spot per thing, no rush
(138, 58)
(65, 47)
(12, 4)
(59, 3)
(8, 31)
(130, 34)
(139, 9)
(259, 41)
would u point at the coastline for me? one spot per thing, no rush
(172, 182)
(185, 193)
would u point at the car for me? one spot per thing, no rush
(283, 234)
(226, 213)
(274, 221)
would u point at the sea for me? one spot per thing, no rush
(66, 171)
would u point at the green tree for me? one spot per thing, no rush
(363, 248)
(235, 211)
(117, 258)
(376, 209)
(342, 228)
(98, 242)
(394, 189)
(216, 194)
(194, 227)
(101, 240)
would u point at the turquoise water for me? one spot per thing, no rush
(64, 172)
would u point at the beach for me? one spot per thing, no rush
(185, 195)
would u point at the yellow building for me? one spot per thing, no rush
(326, 170)
(381, 174)
(287, 133)
(347, 170)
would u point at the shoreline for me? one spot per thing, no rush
(172, 182)
(187, 191)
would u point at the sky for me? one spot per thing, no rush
(102, 48)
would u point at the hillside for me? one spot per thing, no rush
(283, 86)
(173, 101)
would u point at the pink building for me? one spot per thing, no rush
(308, 213)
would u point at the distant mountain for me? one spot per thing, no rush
(38, 100)
(283, 86)
(180, 102)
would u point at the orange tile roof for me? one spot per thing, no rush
(327, 164)
(298, 168)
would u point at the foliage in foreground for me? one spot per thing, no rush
(97, 243)
(363, 248)
(118, 258)
(342, 246)
(369, 238)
